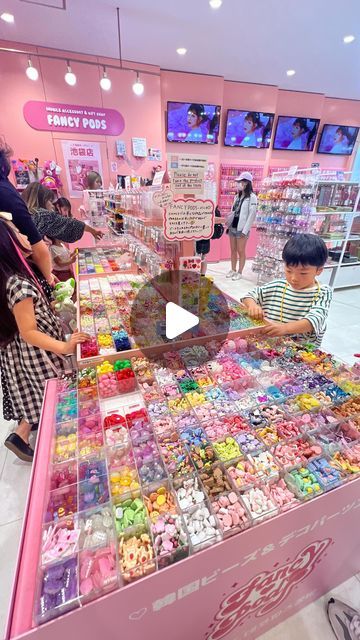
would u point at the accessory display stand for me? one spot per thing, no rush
(336, 221)
(285, 207)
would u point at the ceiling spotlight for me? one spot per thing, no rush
(181, 51)
(348, 39)
(105, 82)
(31, 72)
(138, 87)
(70, 77)
(215, 4)
(8, 17)
(290, 72)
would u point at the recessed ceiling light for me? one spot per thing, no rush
(290, 72)
(349, 39)
(215, 4)
(7, 17)
(181, 51)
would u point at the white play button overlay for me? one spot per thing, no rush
(178, 320)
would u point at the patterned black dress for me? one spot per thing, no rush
(24, 368)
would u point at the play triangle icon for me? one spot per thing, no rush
(178, 320)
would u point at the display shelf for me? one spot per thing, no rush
(285, 207)
(293, 535)
(337, 229)
(228, 186)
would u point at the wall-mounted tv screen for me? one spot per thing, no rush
(295, 133)
(338, 140)
(248, 129)
(193, 122)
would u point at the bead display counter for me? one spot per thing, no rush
(231, 482)
(104, 310)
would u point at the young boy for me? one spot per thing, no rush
(299, 304)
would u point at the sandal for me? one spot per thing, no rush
(344, 620)
(18, 446)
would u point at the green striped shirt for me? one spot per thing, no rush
(298, 305)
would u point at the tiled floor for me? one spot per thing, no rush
(341, 339)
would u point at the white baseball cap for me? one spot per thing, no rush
(245, 175)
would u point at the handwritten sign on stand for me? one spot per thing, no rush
(163, 198)
(191, 219)
(158, 178)
(187, 181)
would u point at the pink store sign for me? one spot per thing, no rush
(72, 118)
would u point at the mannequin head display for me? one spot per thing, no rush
(93, 180)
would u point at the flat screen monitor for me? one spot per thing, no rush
(295, 133)
(193, 122)
(248, 129)
(337, 139)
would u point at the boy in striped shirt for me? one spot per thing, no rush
(298, 305)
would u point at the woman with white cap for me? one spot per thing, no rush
(239, 223)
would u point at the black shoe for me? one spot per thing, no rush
(18, 446)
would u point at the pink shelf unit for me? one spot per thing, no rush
(228, 187)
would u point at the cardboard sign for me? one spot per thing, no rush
(189, 219)
(187, 161)
(187, 181)
(163, 198)
(139, 147)
(73, 118)
(158, 178)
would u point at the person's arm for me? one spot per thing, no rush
(297, 327)
(251, 217)
(252, 302)
(96, 233)
(54, 225)
(63, 263)
(24, 314)
(41, 257)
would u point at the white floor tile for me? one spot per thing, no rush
(13, 488)
(9, 543)
(311, 622)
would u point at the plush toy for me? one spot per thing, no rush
(63, 303)
(51, 172)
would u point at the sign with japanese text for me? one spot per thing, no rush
(163, 198)
(80, 158)
(187, 181)
(189, 219)
(72, 118)
(187, 161)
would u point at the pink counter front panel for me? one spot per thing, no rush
(244, 585)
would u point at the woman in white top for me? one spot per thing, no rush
(239, 223)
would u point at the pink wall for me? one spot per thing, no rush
(145, 116)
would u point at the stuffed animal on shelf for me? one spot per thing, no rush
(51, 172)
(64, 305)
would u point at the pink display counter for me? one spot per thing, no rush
(237, 588)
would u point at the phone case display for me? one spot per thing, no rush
(285, 207)
(201, 452)
(103, 260)
(228, 186)
(335, 221)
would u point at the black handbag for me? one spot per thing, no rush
(218, 228)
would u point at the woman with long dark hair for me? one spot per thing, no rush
(49, 222)
(11, 202)
(239, 223)
(32, 345)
